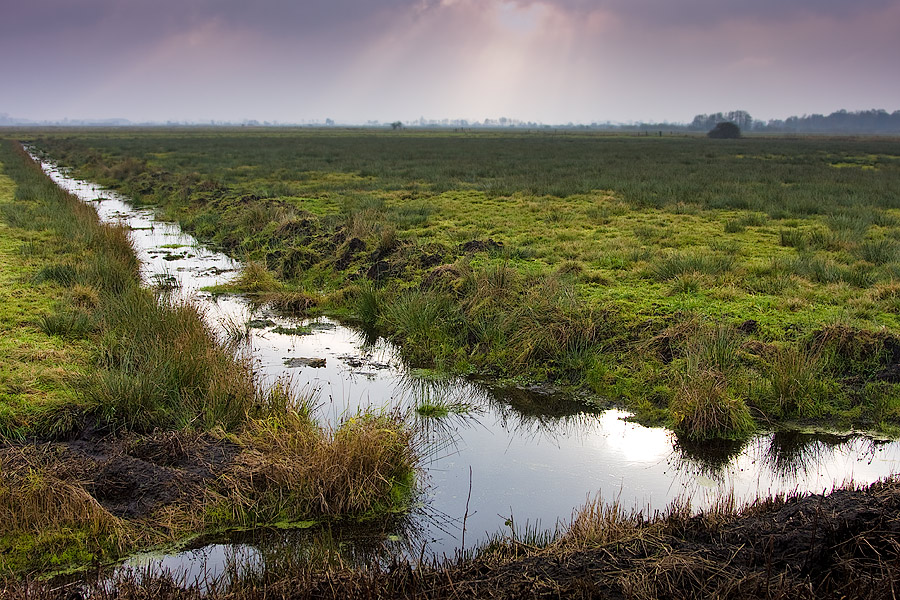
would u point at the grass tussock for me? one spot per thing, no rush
(255, 278)
(796, 385)
(291, 470)
(680, 263)
(702, 407)
(600, 523)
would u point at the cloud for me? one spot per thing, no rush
(544, 60)
(669, 13)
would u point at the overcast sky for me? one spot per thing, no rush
(552, 61)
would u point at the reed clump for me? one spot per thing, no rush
(290, 470)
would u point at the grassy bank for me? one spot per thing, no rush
(841, 545)
(713, 286)
(125, 423)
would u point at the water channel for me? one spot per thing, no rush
(524, 458)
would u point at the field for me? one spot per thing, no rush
(716, 286)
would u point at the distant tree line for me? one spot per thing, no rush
(842, 121)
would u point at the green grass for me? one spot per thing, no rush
(549, 256)
(86, 351)
(37, 366)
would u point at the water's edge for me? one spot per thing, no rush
(505, 458)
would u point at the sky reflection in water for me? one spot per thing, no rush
(533, 456)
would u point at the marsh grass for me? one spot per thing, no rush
(880, 252)
(428, 322)
(601, 522)
(293, 303)
(157, 368)
(161, 367)
(672, 265)
(70, 324)
(438, 408)
(765, 229)
(714, 346)
(255, 278)
(42, 503)
(795, 381)
(719, 552)
(291, 470)
(702, 407)
(367, 301)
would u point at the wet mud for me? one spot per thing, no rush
(131, 476)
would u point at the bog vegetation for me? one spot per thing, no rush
(716, 286)
(125, 423)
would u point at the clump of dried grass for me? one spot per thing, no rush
(290, 469)
(599, 523)
(44, 502)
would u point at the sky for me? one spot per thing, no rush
(353, 61)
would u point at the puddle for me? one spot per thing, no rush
(524, 454)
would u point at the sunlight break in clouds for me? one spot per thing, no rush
(462, 58)
(551, 61)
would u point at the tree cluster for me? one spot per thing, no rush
(741, 118)
(842, 121)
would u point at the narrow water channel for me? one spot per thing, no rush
(520, 458)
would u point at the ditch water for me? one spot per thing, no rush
(512, 459)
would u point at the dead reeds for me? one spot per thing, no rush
(842, 545)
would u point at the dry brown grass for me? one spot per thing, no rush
(43, 497)
(290, 469)
(843, 545)
(41, 488)
(599, 523)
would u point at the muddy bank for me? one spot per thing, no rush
(843, 545)
(131, 476)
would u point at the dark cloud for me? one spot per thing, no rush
(160, 17)
(473, 58)
(294, 17)
(662, 13)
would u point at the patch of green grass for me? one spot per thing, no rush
(437, 408)
(442, 241)
(37, 367)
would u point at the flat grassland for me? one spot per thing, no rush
(714, 285)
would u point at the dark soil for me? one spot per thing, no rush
(844, 545)
(473, 246)
(131, 476)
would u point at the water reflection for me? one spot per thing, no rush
(792, 455)
(709, 458)
(528, 453)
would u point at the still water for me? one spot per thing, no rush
(512, 458)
